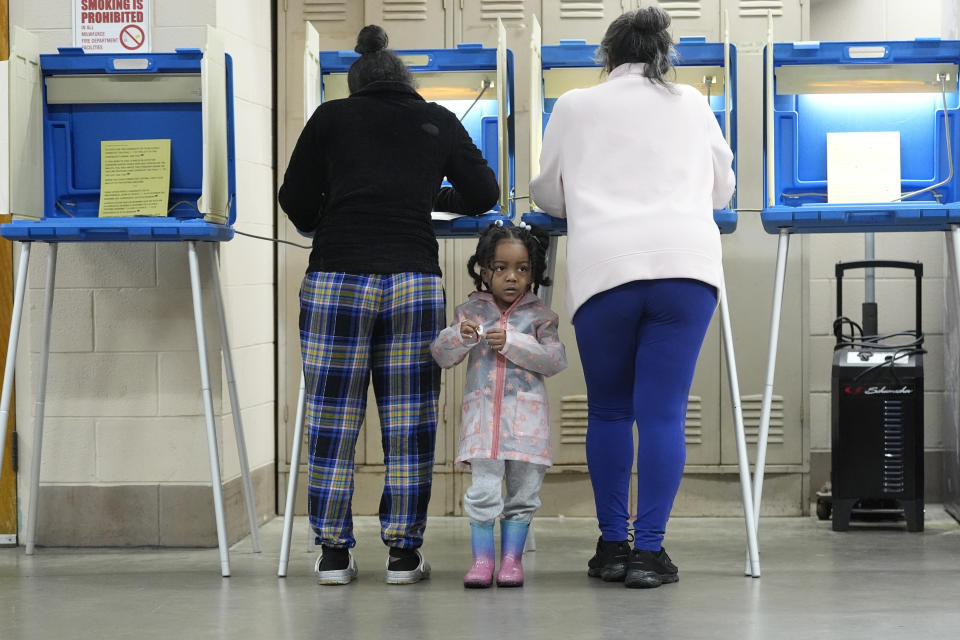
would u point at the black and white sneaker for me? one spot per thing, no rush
(406, 566)
(609, 563)
(649, 569)
(335, 566)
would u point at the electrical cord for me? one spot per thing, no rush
(274, 240)
(838, 328)
(242, 233)
(889, 362)
(878, 343)
(868, 343)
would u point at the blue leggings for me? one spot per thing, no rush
(639, 344)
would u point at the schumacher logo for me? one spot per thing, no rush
(873, 391)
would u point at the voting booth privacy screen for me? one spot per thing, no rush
(83, 100)
(573, 64)
(877, 90)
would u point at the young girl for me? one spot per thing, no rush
(512, 342)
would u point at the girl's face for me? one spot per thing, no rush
(508, 276)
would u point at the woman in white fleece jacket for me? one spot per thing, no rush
(637, 165)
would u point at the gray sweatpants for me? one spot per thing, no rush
(483, 501)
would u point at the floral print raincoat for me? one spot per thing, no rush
(506, 414)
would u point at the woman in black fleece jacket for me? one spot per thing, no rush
(364, 178)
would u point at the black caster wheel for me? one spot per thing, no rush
(824, 508)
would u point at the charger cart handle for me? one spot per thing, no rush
(916, 267)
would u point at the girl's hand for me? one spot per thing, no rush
(496, 339)
(469, 330)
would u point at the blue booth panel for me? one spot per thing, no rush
(693, 56)
(455, 79)
(99, 97)
(827, 87)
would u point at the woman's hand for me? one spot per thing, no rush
(469, 330)
(496, 339)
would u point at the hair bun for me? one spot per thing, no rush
(651, 20)
(371, 39)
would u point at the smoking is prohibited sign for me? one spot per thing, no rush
(112, 26)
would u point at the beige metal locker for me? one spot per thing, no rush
(577, 20)
(750, 253)
(692, 17)
(413, 24)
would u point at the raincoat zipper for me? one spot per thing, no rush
(501, 381)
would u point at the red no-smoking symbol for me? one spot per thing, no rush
(132, 37)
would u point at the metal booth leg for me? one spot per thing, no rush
(215, 479)
(292, 480)
(546, 296)
(234, 401)
(743, 461)
(8, 370)
(783, 245)
(40, 403)
(546, 293)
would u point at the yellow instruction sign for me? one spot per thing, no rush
(134, 178)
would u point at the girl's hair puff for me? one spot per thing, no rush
(534, 238)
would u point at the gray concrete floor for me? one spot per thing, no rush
(867, 583)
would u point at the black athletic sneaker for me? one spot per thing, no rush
(649, 569)
(609, 563)
(406, 566)
(335, 566)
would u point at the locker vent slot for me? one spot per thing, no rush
(404, 10)
(751, 418)
(573, 419)
(579, 10)
(682, 8)
(759, 8)
(693, 429)
(503, 9)
(893, 442)
(325, 10)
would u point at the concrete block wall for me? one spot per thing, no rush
(124, 438)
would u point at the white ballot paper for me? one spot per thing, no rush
(863, 166)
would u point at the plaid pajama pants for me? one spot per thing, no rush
(352, 326)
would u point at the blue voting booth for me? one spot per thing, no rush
(90, 98)
(817, 88)
(813, 89)
(63, 107)
(711, 67)
(476, 84)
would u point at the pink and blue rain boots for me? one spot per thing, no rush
(480, 575)
(513, 535)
